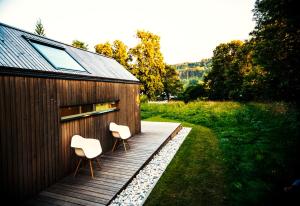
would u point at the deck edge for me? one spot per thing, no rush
(173, 134)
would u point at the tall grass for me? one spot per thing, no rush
(259, 144)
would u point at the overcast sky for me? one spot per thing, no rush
(189, 29)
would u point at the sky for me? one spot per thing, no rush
(189, 29)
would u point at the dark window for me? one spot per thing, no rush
(57, 57)
(75, 112)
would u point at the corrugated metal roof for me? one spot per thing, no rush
(17, 52)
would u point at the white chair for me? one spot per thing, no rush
(86, 148)
(121, 133)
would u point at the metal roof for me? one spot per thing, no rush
(17, 52)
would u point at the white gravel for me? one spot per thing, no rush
(141, 186)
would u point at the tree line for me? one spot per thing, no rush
(146, 62)
(264, 67)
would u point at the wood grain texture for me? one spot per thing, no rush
(117, 170)
(35, 145)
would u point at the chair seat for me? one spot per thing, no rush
(79, 152)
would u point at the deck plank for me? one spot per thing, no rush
(116, 170)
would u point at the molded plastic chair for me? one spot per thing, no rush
(86, 148)
(121, 133)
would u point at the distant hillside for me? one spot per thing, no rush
(193, 72)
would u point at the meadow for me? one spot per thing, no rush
(236, 154)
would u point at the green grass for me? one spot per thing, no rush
(195, 175)
(236, 154)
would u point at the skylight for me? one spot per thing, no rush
(58, 58)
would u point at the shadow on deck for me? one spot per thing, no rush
(116, 172)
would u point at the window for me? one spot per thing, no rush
(57, 57)
(80, 111)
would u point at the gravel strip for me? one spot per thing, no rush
(141, 186)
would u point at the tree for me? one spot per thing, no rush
(224, 79)
(39, 28)
(254, 77)
(120, 53)
(193, 92)
(80, 44)
(171, 81)
(148, 63)
(277, 45)
(104, 49)
(118, 50)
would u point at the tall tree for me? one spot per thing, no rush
(224, 79)
(80, 44)
(171, 82)
(148, 63)
(39, 28)
(254, 77)
(277, 45)
(104, 49)
(120, 53)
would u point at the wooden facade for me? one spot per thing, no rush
(35, 145)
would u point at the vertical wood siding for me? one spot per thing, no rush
(34, 145)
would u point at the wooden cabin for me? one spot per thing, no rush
(50, 91)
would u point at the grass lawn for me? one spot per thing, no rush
(236, 154)
(195, 175)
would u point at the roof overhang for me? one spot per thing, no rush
(12, 71)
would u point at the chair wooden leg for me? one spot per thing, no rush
(91, 168)
(77, 167)
(98, 163)
(116, 141)
(128, 144)
(124, 146)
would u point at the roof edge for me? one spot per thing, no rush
(12, 71)
(12, 27)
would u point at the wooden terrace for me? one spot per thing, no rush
(117, 170)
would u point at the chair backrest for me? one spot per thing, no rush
(77, 141)
(124, 131)
(91, 147)
(113, 127)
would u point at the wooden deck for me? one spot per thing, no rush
(117, 170)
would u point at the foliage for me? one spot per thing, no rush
(39, 28)
(191, 82)
(225, 77)
(80, 44)
(143, 98)
(104, 49)
(118, 50)
(120, 53)
(171, 82)
(206, 63)
(191, 73)
(235, 75)
(254, 77)
(259, 144)
(193, 92)
(277, 45)
(148, 63)
(145, 61)
(266, 67)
